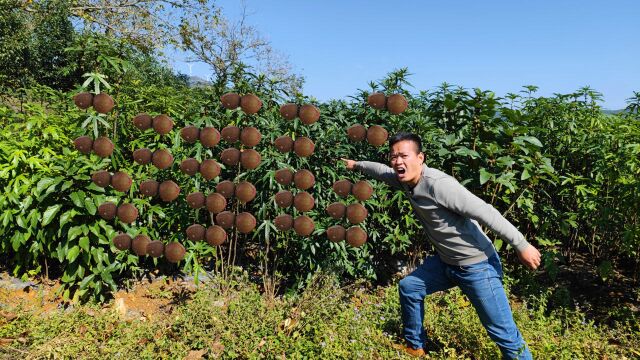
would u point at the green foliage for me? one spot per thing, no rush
(233, 320)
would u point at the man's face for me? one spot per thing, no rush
(407, 161)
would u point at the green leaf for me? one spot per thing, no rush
(532, 140)
(484, 176)
(84, 243)
(49, 214)
(525, 175)
(73, 253)
(90, 206)
(78, 198)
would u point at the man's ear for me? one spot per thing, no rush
(421, 157)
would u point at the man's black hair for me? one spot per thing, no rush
(401, 136)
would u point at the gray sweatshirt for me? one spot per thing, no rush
(450, 214)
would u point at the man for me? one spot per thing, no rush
(452, 216)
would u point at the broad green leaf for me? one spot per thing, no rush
(73, 253)
(84, 243)
(484, 176)
(90, 206)
(49, 214)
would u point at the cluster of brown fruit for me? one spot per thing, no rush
(303, 201)
(302, 146)
(161, 158)
(120, 180)
(142, 245)
(102, 146)
(249, 103)
(395, 104)
(376, 135)
(162, 124)
(307, 113)
(355, 212)
(216, 203)
(216, 235)
(168, 190)
(126, 213)
(102, 103)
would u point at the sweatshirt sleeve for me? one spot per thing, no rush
(379, 172)
(455, 197)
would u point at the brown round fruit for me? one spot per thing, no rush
(189, 166)
(230, 101)
(121, 181)
(168, 190)
(103, 147)
(215, 235)
(342, 187)
(155, 248)
(304, 179)
(149, 188)
(83, 100)
(284, 176)
(303, 146)
(283, 222)
(309, 114)
(190, 134)
(377, 100)
(377, 135)
(162, 159)
(250, 159)
(284, 198)
(215, 203)
(336, 233)
(303, 225)
(230, 156)
(107, 210)
(195, 232)
(303, 201)
(122, 241)
(231, 134)
(250, 136)
(397, 104)
(362, 190)
(174, 252)
(250, 104)
(289, 111)
(357, 133)
(356, 213)
(196, 200)
(142, 156)
(226, 188)
(101, 178)
(245, 222)
(162, 124)
(209, 137)
(337, 210)
(84, 144)
(143, 121)
(103, 103)
(209, 169)
(355, 236)
(127, 213)
(139, 244)
(245, 191)
(284, 143)
(226, 219)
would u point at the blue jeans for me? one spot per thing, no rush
(481, 283)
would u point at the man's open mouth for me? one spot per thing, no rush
(401, 171)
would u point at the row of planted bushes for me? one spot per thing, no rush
(562, 171)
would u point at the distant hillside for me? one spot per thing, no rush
(195, 81)
(612, 112)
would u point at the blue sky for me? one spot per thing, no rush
(560, 46)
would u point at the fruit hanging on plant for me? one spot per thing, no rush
(103, 103)
(230, 101)
(250, 104)
(83, 100)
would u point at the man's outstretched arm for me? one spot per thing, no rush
(452, 195)
(375, 170)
